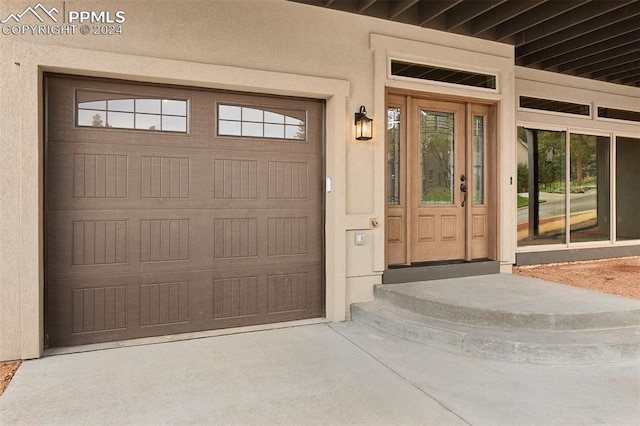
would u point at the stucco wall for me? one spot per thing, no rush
(268, 46)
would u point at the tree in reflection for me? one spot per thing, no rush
(97, 121)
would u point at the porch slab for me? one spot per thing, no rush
(513, 301)
(508, 317)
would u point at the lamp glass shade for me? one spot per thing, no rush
(363, 125)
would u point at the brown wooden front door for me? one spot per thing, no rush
(438, 182)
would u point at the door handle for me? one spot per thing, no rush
(463, 189)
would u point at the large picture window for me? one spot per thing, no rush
(557, 204)
(627, 188)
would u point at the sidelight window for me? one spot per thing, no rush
(478, 149)
(393, 155)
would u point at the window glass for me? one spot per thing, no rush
(618, 114)
(231, 128)
(147, 122)
(393, 155)
(554, 106)
(541, 187)
(273, 131)
(252, 114)
(436, 157)
(174, 124)
(252, 129)
(294, 132)
(167, 115)
(120, 120)
(445, 75)
(229, 112)
(149, 106)
(589, 188)
(91, 118)
(478, 159)
(170, 107)
(102, 105)
(627, 188)
(270, 117)
(293, 121)
(125, 105)
(261, 123)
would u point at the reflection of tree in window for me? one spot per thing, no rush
(167, 115)
(259, 123)
(97, 121)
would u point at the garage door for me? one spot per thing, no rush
(171, 210)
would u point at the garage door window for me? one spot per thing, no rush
(235, 120)
(115, 111)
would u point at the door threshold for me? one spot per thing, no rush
(427, 271)
(439, 262)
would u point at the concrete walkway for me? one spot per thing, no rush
(344, 373)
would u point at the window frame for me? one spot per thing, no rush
(568, 244)
(122, 95)
(264, 109)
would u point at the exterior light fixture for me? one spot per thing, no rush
(363, 125)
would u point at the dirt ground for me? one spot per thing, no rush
(616, 276)
(7, 370)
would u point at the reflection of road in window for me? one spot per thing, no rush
(542, 191)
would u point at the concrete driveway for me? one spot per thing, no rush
(339, 374)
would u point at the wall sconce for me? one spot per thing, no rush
(363, 125)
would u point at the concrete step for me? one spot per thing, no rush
(512, 302)
(413, 273)
(515, 345)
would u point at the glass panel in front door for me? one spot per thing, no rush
(437, 166)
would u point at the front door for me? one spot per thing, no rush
(437, 181)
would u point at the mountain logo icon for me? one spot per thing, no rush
(39, 11)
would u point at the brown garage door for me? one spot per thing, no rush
(170, 210)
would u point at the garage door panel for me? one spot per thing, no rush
(282, 293)
(154, 232)
(95, 177)
(89, 310)
(122, 307)
(265, 237)
(82, 242)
